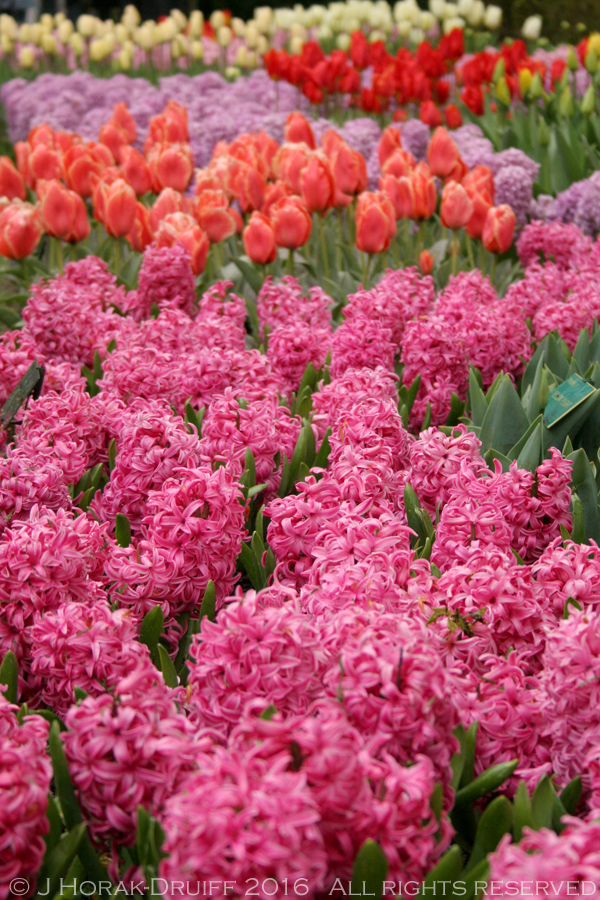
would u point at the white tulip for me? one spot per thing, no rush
(532, 28)
(8, 26)
(451, 11)
(124, 59)
(284, 18)
(232, 72)
(376, 36)
(224, 36)
(262, 45)
(298, 31)
(263, 16)
(179, 18)
(6, 44)
(197, 50)
(131, 17)
(416, 36)
(324, 33)
(87, 25)
(296, 45)
(47, 21)
(217, 19)
(493, 17)
(238, 26)
(454, 22)
(426, 20)
(76, 43)
(465, 7)
(475, 17)
(404, 28)
(26, 58)
(196, 23)
(343, 42)
(24, 33)
(437, 8)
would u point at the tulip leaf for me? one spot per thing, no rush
(54, 825)
(457, 407)
(531, 455)
(537, 399)
(370, 869)
(472, 883)
(151, 630)
(505, 420)
(495, 822)
(492, 455)
(477, 401)
(29, 385)
(252, 275)
(514, 452)
(9, 675)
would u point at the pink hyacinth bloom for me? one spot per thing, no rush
(564, 244)
(293, 346)
(362, 342)
(332, 401)
(438, 464)
(165, 279)
(283, 303)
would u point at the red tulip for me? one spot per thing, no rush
(167, 202)
(298, 131)
(480, 179)
(63, 212)
(259, 239)
(273, 193)
(399, 164)
(214, 215)
(100, 186)
(375, 222)
(426, 262)
(125, 120)
(170, 127)
(12, 183)
(317, 185)
(349, 170)
(135, 170)
(424, 192)
(360, 50)
(182, 228)
(44, 164)
(246, 185)
(83, 168)
(114, 137)
(140, 235)
(457, 206)
(481, 206)
(390, 142)
(120, 208)
(289, 162)
(210, 179)
(170, 165)
(292, 223)
(430, 114)
(442, 153)
(453, 116)
(499, 229)
(20, 229)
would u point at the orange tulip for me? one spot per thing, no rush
(481, 206)
(426, 262)
(20, 229)
(389, 143)
(499, 229)
(63, 212)
(167, 202)
(170, 127)
(83, 168)
(423, 191)
(123, 118)
(171, 165)
(292, 223)
(349, 171)
(120, 208)
(12, 183)
(259, 239)
(182, 228)
(457, 207)
(135, 170)
(275, 192)
(317, 185)
(214, 215)
(480, 179)
(114, 137)
(375, 222)
(442, 153)
(140, 235)
(289, 163)
(298, 131)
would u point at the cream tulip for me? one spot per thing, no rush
(86, 25)
(217, 19)
(65, 30)
(532, 28)
(26, 57)
(197, 50)
(493, 17)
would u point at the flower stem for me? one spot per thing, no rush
(366, 264)
(470, 252)
(290, 262)
(454, 251)
(323, 246)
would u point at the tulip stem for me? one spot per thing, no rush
(454, 251)
(481, 259)
(341, 240)
(493, 272)
(323, 246)
(117, 257)
(290, 262)
(366, 264)
(470, 252)
(59, 254)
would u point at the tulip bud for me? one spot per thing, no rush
(292, 223)
(224, 36)
(525, 81)
(572, 60)
(499, 229)
(181, 228)
(197, 50)
(76, 43)
(120, 208)
(259, 239)
(63, 212)
(12, 184)
(20, 230)
(591, 61)
(375, 222)
(536, 91)
(426, 262)
(196, 23)
(566, 106)
(564, 79)
(543, 132)
(502, 92)
(499, 70)
(588, 103)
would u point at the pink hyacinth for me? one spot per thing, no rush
(125, 749)
(438, 464)
(24, 787)
(464, 294)
(16, 356)
(374, 428)
(197, 517)
(568, 570)
(362, 342)
(82, 645)
(564, 244)
(570, 316)
(283, 303)
(165, 279)
(293, 346)
(27, 482)
(248, 654)
(152, 444)
(259, 822)
(337, 398)
(92, 273)
(468, 525)
(400, 296)
(542, 285)
(551, 865)
(432, 350)
(207, 373)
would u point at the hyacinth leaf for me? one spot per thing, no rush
(370, 870)
(447, 870)
(10, 317)
(270, 563)
(149, 841)
(571, 602)
(309, 378)
(151, 630)
(495, 822)
(458, 759)
(427, 419)
(522, 811)
(167, 668)
(505, 420)
(577, 515)
(583, 483)
(531, 455)
(492, 455)
(571, 795)
(122, 530)
(297, 457)
(9, 675)
(322, 457)
(69, 805)
(255, 573)
(58, 862)
(79, 694)
(252, 276)
(209, 603)
(542, 803)
(537, 398)
(469, 755)
(194, 418)
(457, 408)
(55, 825)
(476, 398)
(514, 452)
(311, 446)
(411, 394)
(30, 384)
(487, 782)
(285, 477)
(558, 811)
(472, 883)
(112, 455)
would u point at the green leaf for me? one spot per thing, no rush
(487, 782)
(505, 420)
(571, 424)
(122, 530)
(583, 484)
(476, 397)
(167, 668)
(112, 454)
(578, 526)
(248, 561)
(9, 675)
(30, 384)
(209, 601)
(427, 419)
(285, 477)
(57, 863)
(472, 883)
(252, 275)
(447, 870)
(542, 803)
(530, 456)
(523, 812)
(491, 455)
(322, 457)
(369, 871)
(457, 408)
(55, 825)
(151, 630)
(495, 822)
(581, 353)
(297, 457)
(538, 396)
(513, 453)
(571, 602)
(571, 795)
(411, 393)
(470, 740)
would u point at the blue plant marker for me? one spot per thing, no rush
(565, 398)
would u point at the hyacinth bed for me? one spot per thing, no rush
(299, 565)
